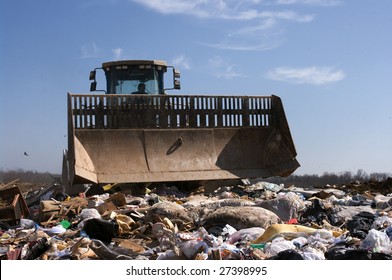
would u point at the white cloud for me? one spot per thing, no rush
(228, 72)
(240, 10)
(245, 46)
(89, 51)
(286, 15)
(307, 75)
(223, 69)
(251, 38)
(253, 24)
(216, 61)
(189, 7)
(310, 2)
(117, 53)
(181, 62)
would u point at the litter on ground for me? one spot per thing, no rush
(252, 221)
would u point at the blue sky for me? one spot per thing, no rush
(329, 60)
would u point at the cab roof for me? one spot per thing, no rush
(133, 62)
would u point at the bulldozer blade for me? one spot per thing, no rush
(177, 144)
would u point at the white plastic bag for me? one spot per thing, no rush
(377, 241)
(277, 245)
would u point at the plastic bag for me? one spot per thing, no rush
(192, 247)
(377, 241)
(310, 253)
(26, 223)
(89, 213)
(59, 229)
(300, 242)
(381, 223)
(228, 230)
(246, 234)
(277, 245)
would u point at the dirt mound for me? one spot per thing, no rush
(373, 187)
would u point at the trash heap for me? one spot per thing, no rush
(254, 220)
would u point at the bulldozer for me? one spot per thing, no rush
(135, 132)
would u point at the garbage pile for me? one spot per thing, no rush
(254, 220)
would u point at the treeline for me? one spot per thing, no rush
(297, 180)
(330, 178)
(28, 176)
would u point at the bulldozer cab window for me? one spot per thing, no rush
(126, 80)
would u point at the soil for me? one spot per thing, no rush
(373, 187)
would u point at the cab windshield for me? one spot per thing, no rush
(126, 79)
